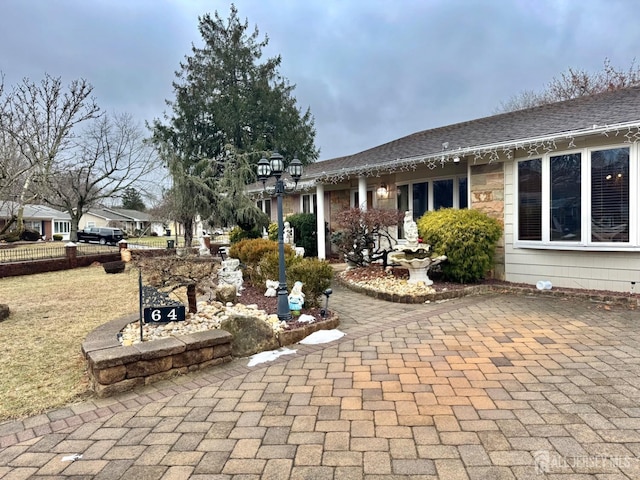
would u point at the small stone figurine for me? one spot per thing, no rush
(271, 288)
(296, 297)
(287, 234)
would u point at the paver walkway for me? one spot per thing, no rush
(486, 387)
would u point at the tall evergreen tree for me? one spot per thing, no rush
(228, 107)
(132, 200)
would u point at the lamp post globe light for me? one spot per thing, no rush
(274, 167)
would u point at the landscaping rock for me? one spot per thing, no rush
(4, 312)
(250, 335)
(226, 293)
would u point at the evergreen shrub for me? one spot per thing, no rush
(304, 230)
(467, 237)
(251, 251)
(237, 234)
(314, 274)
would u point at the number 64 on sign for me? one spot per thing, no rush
(164, 314)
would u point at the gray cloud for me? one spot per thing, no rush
(370, 71)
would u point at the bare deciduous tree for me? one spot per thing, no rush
(575, 83)
(39, 120)
(110, 157)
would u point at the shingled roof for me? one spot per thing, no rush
(617, 111)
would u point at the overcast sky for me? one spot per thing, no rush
(370, 70)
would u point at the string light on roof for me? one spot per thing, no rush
(550, 146)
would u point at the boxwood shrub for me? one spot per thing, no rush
(467, 237)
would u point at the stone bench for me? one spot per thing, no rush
(115, 368)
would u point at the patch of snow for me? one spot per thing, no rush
(304, 318)
(322, 336)
(268, 356)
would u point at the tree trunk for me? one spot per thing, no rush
(20, 220)
(8, 225)
(75, 221)
(188, 232)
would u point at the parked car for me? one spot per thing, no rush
(102, 235)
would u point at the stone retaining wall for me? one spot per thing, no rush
(115, 368)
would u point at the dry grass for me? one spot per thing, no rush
(41, 365)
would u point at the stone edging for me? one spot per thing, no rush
(114, 368)
(629, 301)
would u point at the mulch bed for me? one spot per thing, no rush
(440, 285)
(255, 296)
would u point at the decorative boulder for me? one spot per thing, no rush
(226, 293)
(4, 312)
(250, 335)
(114, 267)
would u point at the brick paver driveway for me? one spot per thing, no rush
(486, 387)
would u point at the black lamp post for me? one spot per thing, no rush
(274, 167)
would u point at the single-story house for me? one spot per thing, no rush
(130, 221)
(564, 180)
(43, 219)
(102, 217)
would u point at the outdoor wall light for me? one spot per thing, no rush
(274, 167)
(382, 191)
(456, 159)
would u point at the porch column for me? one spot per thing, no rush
(362, 193)
(320, 233)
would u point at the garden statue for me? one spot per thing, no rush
(287, 234)
(414, 255)
(296, 297)
(230, 274)
(271, 288)
(410, 229)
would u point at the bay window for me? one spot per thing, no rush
(579, 198)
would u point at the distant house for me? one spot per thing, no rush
(43, 219)
(133, 222)
(562, 178)
(102, 217)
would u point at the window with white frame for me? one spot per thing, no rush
(61, 226)
(265, 206)
(355, 199)
(577, 198)
(309, 203)
(431, 195)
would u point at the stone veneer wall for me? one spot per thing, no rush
(487, 195)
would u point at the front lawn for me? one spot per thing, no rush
(41, 364)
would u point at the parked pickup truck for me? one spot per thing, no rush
(102, 235)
